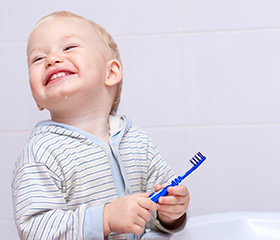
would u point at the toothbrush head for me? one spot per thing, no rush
(197, 159)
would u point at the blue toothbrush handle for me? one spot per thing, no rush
(156, 195)
(196, 161)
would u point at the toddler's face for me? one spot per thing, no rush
(67, 62)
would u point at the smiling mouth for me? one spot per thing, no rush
(57, 76)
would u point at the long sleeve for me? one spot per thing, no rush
(41, 210)
(94, 223)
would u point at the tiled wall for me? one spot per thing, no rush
(198, 75)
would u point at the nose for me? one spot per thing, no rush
(53, 58)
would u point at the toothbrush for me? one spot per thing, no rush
(196, 160)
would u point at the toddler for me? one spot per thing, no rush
(87, 173)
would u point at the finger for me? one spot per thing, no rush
(147, 204)
(145, 214)
(171, 215)
(158, 187)
(141, 222)
(145, 195)
(169, 209)
(178, 190)
(174, 199)
(136, 229)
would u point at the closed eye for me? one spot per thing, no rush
(70, 47)
(37, 59)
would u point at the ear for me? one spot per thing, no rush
(114, 75)
(40, 108)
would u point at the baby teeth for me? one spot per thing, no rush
(57, 75)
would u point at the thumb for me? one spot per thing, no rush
(158, 187)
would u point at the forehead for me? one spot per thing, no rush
(59, 27)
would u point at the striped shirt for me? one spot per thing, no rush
(64, 176)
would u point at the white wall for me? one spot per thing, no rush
(199, 76)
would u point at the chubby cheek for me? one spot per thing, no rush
(37, 97)
(36, 87)
(93, 77)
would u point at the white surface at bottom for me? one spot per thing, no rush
(232, 226)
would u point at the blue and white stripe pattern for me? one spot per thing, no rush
(62, 172)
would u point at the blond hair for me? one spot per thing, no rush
(105, 36)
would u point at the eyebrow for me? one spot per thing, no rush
(71, 36)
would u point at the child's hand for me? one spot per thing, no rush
(172, 207)
(128, 214)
